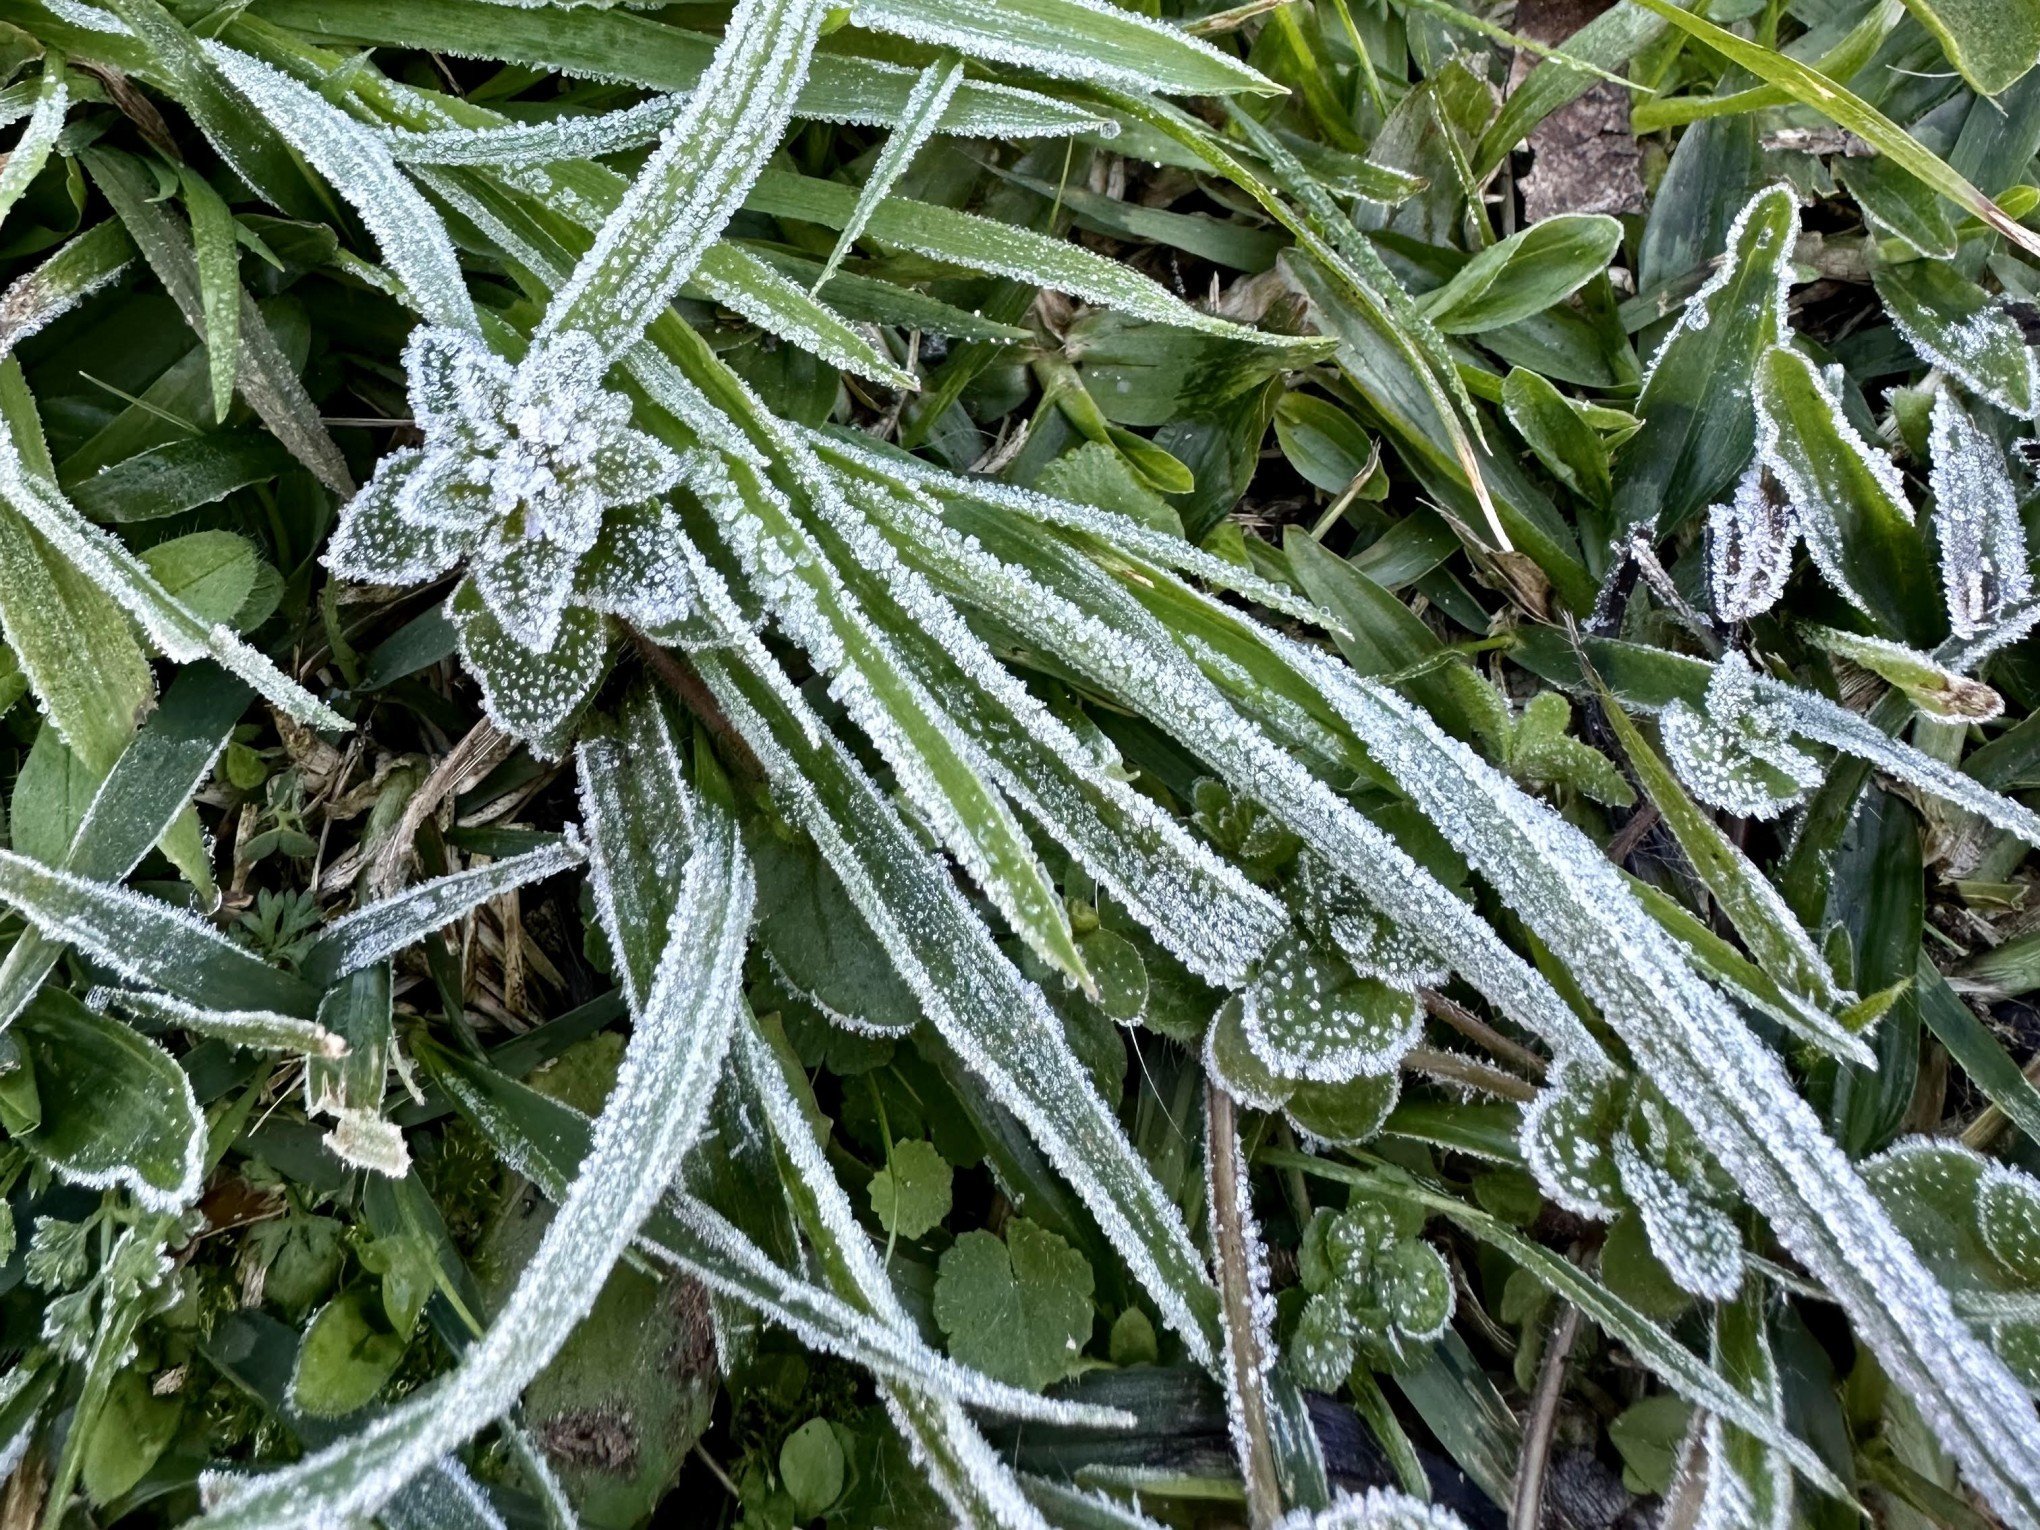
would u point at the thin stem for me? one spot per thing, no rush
(1451, 1068)
(1481, 1034)
(1528, 1510)
(1244, 1357)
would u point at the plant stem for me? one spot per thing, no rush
(1527, 1513)
(1246, 1363)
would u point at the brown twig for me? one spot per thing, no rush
(473, 757)
(1451, 1068)
(1527, 1513)
(1481, 1034)
(1245, 1362)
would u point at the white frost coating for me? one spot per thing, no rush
(92, 18)
(357, 164)
(1562, 1142)
(1246, 1374)
(645, 1129)
(1115, 530)
(1750, 542)
(31, 150)
(1966, 346)
(692, 183)
(262, 1029)
(1054, 46)
(123, 1175)
(362, 1137)
(1749, 1485)
(777, 304)
(1984, 568)
(820, 1319)
(442, 1497)
(141, 938)
(129, 582)
(1307, 1016)
(1376, 1509)
(1121, 647)
(1198, 906)
(944, 774)
(998, 1024)
(926, 103)
(59, 284)
(537, 143)
(1815, 718)
(383, 928)
(976, 1483)
(1695, 1241)
(1729, 1086)
(1736, 753)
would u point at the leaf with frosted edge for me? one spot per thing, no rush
(242, 351)
(1197, 905)
(1697, 426)
(1105, 633)
(126, 578)
(413, 240)
(146, 940)
(31, 150)
(260, 1029)
(568, 136)
(1693, 1239)
(1566, 1135)
(532, 696)
(1935, 689)
(940, 769)
(876, 464)
(1955, 325)
(694, 180)
(1308, 1016)
(1737, 754)
(998, 249)
(1731, 1089)
(998, 1023)
(645, 1129)
(1750, 543)
(1084, 40)
(77, 270)
(117, 1109)
(1984, 565)
(1775, 938)
(442, 1497)
(743, 283)
(1376, 1509)
(381, 929)
(975, 1482)
(1749, 1485)
(545, 1140)
(930, 98)
(1848, 497)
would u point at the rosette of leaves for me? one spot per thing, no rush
(1378, 1292)
(532, 480)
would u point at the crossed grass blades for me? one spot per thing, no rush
(735, 874)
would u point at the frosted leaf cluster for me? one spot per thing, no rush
(1376, 1509)
(1736, 752)
(1750, 543)
(534, 479)
(1984, 569)
(1377, 1291)
(1307, 1014)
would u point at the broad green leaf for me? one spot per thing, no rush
(116, 1110)
(1551, 427)
(219, 282)
(1019, 1309)
(649, 1122)
(1899, 205)
(1809, 87)
(135, 1426)
(910, 1195)
(1697, 427)
(347, 1357)
(1993, 42)
(180, 475)
(1955, 325)
(208, 573)
(1524, 274)
(1322, 441)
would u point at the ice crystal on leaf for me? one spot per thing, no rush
(1976, 518)
(1377, 1291)
(1307, 1014)
(1737, 753)
(1565, 1138)
(1376, 1509)
(1750, 542)
(535, 479)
